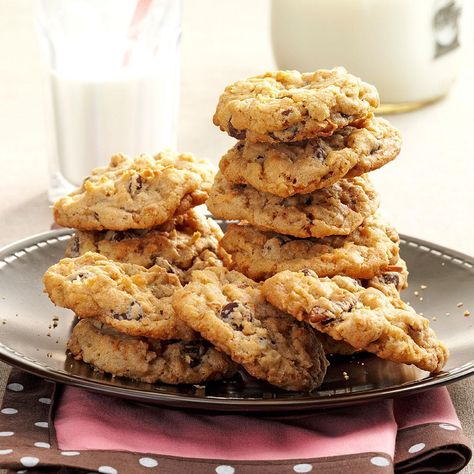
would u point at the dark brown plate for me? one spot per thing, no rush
(29, 341)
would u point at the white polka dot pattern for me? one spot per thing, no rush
(45, 401)
(107, 470)
(70, 453)
(224, 469)
(15, 387)
(9, 411)
(416, 448)
(379, 461)
(447, 427)
(302, 468)
(41, 424)
(29, 461)
(6, 451)
(6, 433)
(148, 462)
(40, 444)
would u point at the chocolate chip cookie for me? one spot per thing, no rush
(285, 169)
(175, 245)
(365, 318)
(364, 253)
(127, 297)
(287, 106)
(148, 360)
(229, 310)
(336, 210)
(136, 193)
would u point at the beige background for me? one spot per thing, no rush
(427, 192)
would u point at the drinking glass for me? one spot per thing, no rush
(113, 69)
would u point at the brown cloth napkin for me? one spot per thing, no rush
(28, 443)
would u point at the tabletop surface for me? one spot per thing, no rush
(427, 192)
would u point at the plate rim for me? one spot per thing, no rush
(220, 404)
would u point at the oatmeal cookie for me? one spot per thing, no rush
(175, 245)
(148, 360)
(365, 318)
(229, 310)
(287, 106)
(127, 297)
(336, 210)
(136, 193)
(285, 169)
(363, 254)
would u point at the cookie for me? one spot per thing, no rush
(138, 193)
(365, 318)
(229, 310)
(287, 106)
(363, 254)
(336, 210)
(148, 360)
(175, 244)
(285, 169)
(391, 281)
(127, 297)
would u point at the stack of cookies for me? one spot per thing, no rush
(163, 296)
(297, 181)
(297, 177)
(137, 240)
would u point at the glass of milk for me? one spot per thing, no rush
(409, 49)
(113, 68)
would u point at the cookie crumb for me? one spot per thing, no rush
(421, 298)
(346, 377)
(459, 304)
(447, 314)
(434, 318)
(443, 264)
(467, 313)
(423, 287)
(416, 293)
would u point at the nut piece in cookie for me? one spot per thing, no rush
(336, 210)
(136, 193)
(175, 245)
(364, 253)
(287, 106)
(285, 169)
(228, 310)
(127, 297)
(365, 318)
(148, 360)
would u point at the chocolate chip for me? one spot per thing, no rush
(286, 135)
(193, 353)
(75, 246)
(239, 187)
(391, 279)
(375, 149)
(135, 184)
(320, 315)
(118, 236)
(134, 312)
(80, 275)
(346, 116)
(260, 157)
(319, 153)
(308, 201)
(233, 132)
(235, 314)
(286, 112)
(163, 263)
(240, 146)
(228, 309)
